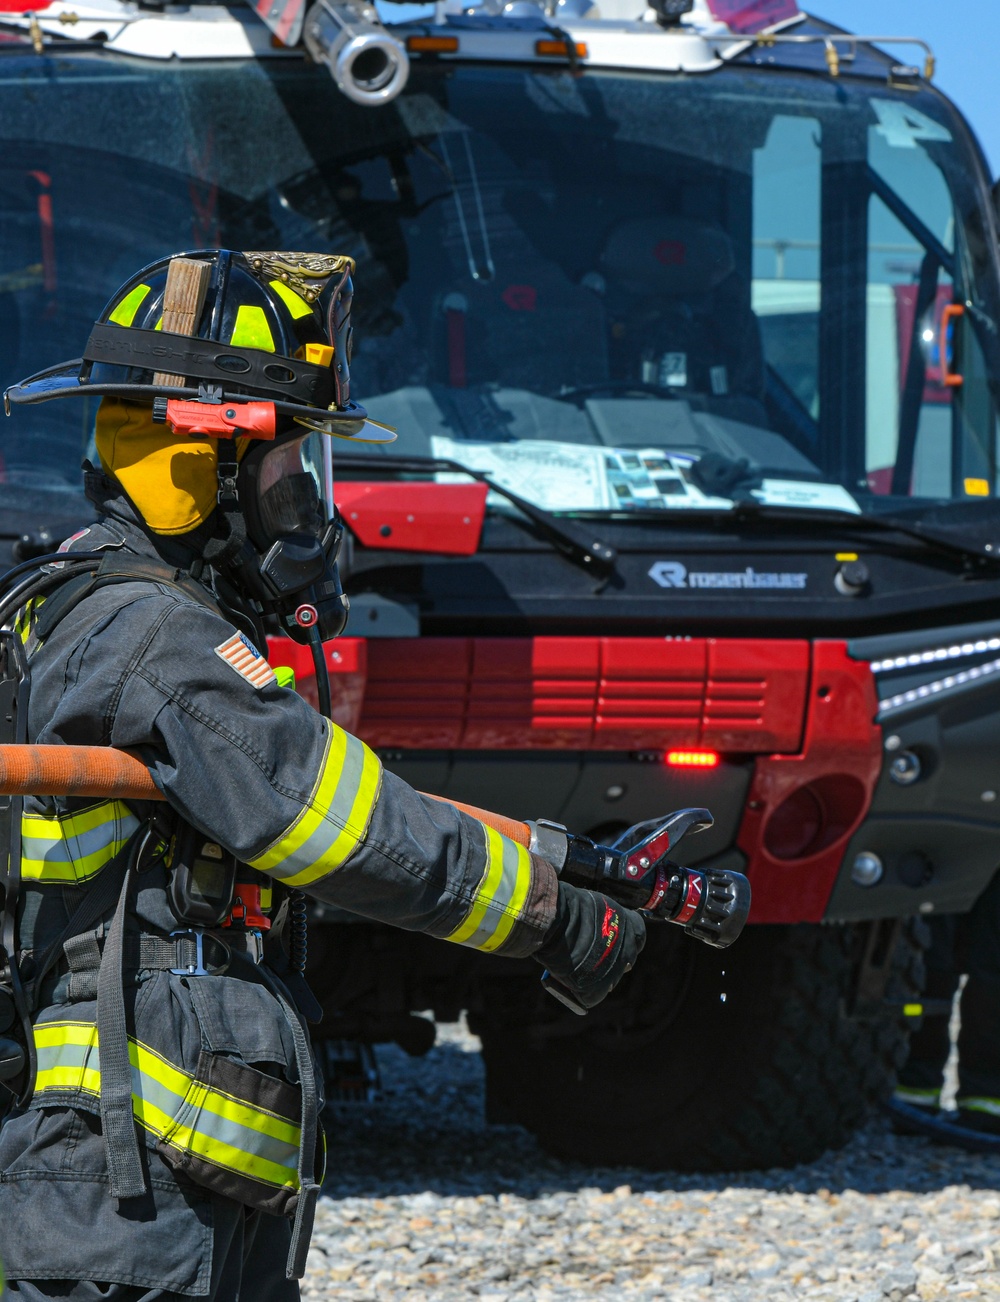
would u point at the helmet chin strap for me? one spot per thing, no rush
(231, 530)
(221, 551)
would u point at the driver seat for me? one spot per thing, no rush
(680, 316)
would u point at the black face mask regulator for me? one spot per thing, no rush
(288, 561)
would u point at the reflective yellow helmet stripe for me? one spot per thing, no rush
(124, 313)
(501, 896)
(180, 1110)
(251, 329)
(334, 822)
(295, 303)
(69, 848)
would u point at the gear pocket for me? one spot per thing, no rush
(237, 1131)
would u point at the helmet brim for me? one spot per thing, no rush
(63, 381)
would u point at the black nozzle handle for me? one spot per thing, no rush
(648, 843)
(562, 994)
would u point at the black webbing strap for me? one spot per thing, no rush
(305, 1207)
(205, 359)
(62, 601)
(121, 1142)
(114, 569)
(100, 897)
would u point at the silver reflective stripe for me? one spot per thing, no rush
(334, 822)
(73, 847)
(175, 1106)
(979, 1104)
(503, 891)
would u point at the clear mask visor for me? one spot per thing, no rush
(295, 487)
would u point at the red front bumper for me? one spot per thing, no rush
(804, 712)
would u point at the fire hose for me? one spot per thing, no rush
(710, 904)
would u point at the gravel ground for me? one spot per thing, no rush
(425, 1200)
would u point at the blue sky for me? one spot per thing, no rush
(965, 37)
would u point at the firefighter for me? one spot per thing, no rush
(169, 1146)
(964, 944)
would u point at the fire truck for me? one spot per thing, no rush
(687, 318)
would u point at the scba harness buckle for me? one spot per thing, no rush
(197, 968)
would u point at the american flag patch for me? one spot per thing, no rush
(241, 654)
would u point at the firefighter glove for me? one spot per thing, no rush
(591, 944)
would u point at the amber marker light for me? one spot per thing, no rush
(560, 50)
(432, 44)
(693, 759)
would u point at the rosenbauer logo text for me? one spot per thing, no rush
(672, 574)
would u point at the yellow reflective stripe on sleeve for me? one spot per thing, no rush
(501, 895)
(124, 313)
(173, 1105)
(295, 303)
(519, 894)
(334, 822)
(74, 847)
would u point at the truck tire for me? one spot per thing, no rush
(704, 1060)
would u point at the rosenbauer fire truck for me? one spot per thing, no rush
(687, 318)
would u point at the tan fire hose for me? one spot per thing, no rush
(111, 774)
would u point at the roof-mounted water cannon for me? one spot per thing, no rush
(368, 64)
(670, 12)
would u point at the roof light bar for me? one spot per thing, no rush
(432, 44)
(560, 49)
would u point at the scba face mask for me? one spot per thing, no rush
(294, 534)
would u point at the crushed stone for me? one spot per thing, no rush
(425, 1200)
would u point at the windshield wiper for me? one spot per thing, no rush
(982, 555)
(750, 512)
(591, 553)
(848, 521)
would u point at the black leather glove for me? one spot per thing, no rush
(592, 943)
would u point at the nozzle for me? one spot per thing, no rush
(369, 66)
(715, 905)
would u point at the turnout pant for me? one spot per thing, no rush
(968, 943)
(63, 1236)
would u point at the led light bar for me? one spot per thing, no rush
(693, 759)
(921, 693)
(936, 655)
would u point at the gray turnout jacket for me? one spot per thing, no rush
(188, 1095)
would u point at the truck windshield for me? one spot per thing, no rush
(614, 292)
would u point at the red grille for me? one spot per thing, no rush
(588, 693)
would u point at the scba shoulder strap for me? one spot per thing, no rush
(115, 569)
(18, 1069)
(61, 594)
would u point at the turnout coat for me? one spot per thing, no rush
(173, 1122)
